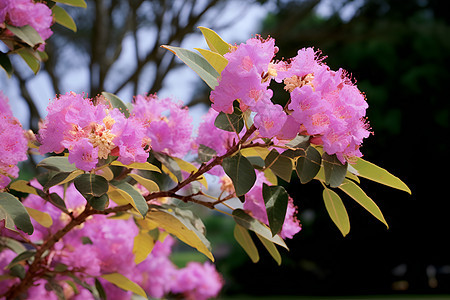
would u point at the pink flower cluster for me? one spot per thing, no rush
(13, 144)
(102, 246)
(167, 124)
(324, 104)
(254, 202)
(91, 132)
(27, 12)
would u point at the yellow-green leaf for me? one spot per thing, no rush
(124, 283)
(215, 59)
(31, 60)
(354, 191)
(214, 41)
(42, 218)
(142, 247)
(150, 185)
(78, 3)
(190, 168)
(140, 166)
(271, 248)
(336, 210)
(183, 230)
(255, 151)
(23, 186)
(120, 197)
(105, 173)
(244, 239)
(61, 17)
(375, 173)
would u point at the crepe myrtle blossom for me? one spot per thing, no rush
(27, 12)
(13, 143)
(91, 132)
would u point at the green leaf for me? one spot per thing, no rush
(91, 185)
(100, 289)
(12, 244)
(375, 173)
(230, 122)
(241, 172)
(280, 165)
(271, 248)
(14, 213)
(183, 224)
(124, 283)
(244, 239)
(61, 17)
(308, 165)
(30, 58)
(205, 153)
(116, 102)
(276, 200)
(335, 171)
(27, 34)
(214, 41)
(250, 223)
(215, 59)
(197, 63)
(23, 186)
(171, 166)
(98, 203)
(354, 191)
(336, 210)
(57, 163)
(57, 201)
(20, 257)
(61, 178)
(138, 200)
(5, 63)
(78, 3)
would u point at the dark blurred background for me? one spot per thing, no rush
(399, 54)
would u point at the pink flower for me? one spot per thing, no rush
(84, 155)
(13, 144)
(270, 119)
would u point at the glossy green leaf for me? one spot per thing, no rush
(241, 172)
(217, 61)
(32, 60)
(276, 200)
(244, 239)
(27, 34)
(375, 173)
(354, 191)
(250, 223)
(57, 201)
(78, 3)
(5, 63)
(183, 224)
(308, 165)
(334, 170)
(61, 17)
(138, 200)
(116, 102)
(197, 63)
(280, 164)
(336, 210)
(205, 153)
(230, 122)
(14, 213)
(214, 41)
(124, 283)
(271, 248)
(57, 163)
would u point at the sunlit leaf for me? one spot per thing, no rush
(132, 196)
(124, 283)
(215, 59)
(375, 173)
(57, 163)
(61, 178)
(30, 58)
(142, 246)
(23, 186)
(197, 63)
(150, 185)
(41, 217)
(169, 166)
(61, 17)
(271, 248)
(250, 223)
(190, 168)
(336, 210)
(140, 166)
(214, 41)
(354, 191)
(276, 201)
(78, 3)
(244, 239)
(241, 172)
(14, 213)
(27, 34)
(255, 151)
